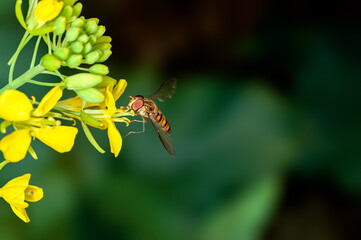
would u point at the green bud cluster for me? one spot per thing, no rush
(83, 37)
(79, 41)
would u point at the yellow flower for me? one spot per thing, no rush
(47, 10)
(105, 112)
(43, 12)
(15, 106)
(16, 191)
(111, 95)
(15, 145)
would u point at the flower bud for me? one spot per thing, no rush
(60, 25)
(82, 81)
(91, 95)
(77, 9)
(50, 62)
(69, 2)
(92, 57)
(87, 48)
(106, 81)
(101, 46)
(72, 34)
(76, 47)
(94, 19)
(84, 38)
(105, 55)
(74, 60)
(62, 53)
(90, 26)
(67, 12)
(104, 39)
(100, 31)
(77, 23)
(92, 39)
(99, 69)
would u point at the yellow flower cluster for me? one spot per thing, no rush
(75, 41)
(16, 109)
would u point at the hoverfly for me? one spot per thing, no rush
(146, 108)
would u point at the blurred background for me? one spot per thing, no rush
(265, 121)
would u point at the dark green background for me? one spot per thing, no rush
(265, 121)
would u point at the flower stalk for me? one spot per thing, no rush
(73, 42)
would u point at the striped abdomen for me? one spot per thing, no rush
(160, 119)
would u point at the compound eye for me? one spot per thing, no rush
(137, 104)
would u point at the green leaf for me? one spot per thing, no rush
(246, 216)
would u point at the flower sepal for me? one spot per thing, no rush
(19, 13)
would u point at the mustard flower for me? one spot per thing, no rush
(32, 123)
(43, 12)
(105, 113)
(17, 191)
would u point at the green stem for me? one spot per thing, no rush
(46, 84)
(56, 73)
(3, 163)
(54, 41)
(28, 75)
(35, 52)
(61, 76)
(48, 40)
(26, 34)
(26, 38)
(83, 69)
(50, 73)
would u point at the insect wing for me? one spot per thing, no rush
(166, 91)
(164, 138)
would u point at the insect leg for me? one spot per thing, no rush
(144, 121)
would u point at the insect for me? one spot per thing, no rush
(147, 108)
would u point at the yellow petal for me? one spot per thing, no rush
(15, 106)
(119, 88)
(33, 193)
(14, 191)
(60, 138)
(47, 10)
(115, 139)
(109, 100)
(72, 104)
(15, 145)
(21, 213)
(48, 101)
